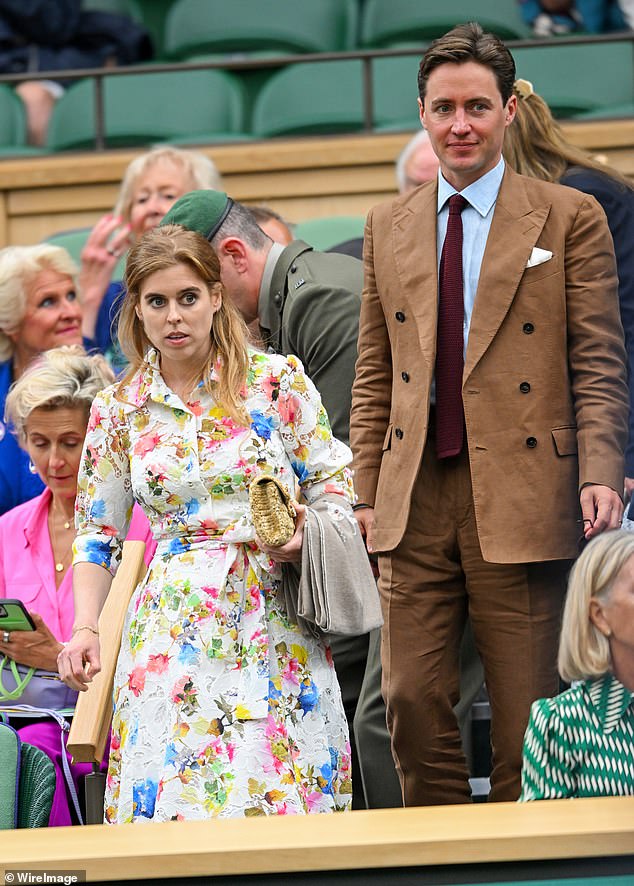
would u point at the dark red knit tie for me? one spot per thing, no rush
(450, 341)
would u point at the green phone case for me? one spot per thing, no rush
(14, 616)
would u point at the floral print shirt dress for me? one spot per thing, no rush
(222, 707)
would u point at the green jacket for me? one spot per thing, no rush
(312, 311)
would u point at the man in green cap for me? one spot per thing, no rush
(307, 303)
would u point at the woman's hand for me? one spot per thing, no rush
(35, 649)
(79, 660)
(106, 243)
(291, 552)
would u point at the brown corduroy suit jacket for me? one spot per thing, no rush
(544, 384)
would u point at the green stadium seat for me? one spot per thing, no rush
(582, 78)
(73, 242)
(311, 98)
(324, 233)
(410, 22)
(193, 27)
(37, 788)
(142, 109)
(13, 125)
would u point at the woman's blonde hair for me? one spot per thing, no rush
(19, 265)
(583, 650)
(534, 143)
(164, 247)
(199, 169)
(60, 377)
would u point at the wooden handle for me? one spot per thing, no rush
(91, 722)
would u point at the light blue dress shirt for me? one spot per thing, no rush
(476, 223)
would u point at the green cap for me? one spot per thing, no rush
(200, 211)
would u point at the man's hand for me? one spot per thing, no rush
(365, 519)
(601, 508)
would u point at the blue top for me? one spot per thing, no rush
(617, 201)
(18, 481)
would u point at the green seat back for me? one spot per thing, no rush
(395, 85)
(576, 79)
(412, 22)
(150, 107)
(10, 752)
(244, 26)
(323, 233)
(73, 242)
(12, 120)
(327, 97)
(37, 788)
(310, 98)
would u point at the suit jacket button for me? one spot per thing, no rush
(398, 433)
(531, 442)
(277, 299)
(405, 376)
(293, 269)
(400, 316)
(528, 328)
(525, 387)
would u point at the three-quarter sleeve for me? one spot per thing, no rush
(320, 461)
(104, 494)
(547, 760)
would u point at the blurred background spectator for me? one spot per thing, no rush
(273, 224)
(39, 310)
(534, 145)
(151, 185)
(54, 35)
(549, 18)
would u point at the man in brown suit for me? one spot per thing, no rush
(537, 419)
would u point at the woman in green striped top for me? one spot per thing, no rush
(581, 743)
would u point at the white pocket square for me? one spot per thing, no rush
(538, 257)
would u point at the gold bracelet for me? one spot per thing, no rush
(84, 628)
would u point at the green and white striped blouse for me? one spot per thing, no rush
(581, 743)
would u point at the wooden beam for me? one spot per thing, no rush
(447, 835)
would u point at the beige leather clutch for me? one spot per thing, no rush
(272, 513)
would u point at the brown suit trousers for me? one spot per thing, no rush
(428, 584)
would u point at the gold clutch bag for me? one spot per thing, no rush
(272, 513)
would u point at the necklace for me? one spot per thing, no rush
(67, 524)
(61, 563)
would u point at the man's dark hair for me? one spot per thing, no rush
(469, 43)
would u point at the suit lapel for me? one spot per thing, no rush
(414, 245)
(515, 229)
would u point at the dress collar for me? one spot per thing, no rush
(37, 514)
(610, 699)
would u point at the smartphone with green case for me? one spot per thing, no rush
(14, 616)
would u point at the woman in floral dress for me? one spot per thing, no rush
(222, 707)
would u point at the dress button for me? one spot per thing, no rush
(405, 376)
(531, 442)
(293, 268)
(398, 433)
(528, 328)
(525, 387)
(400, 316)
